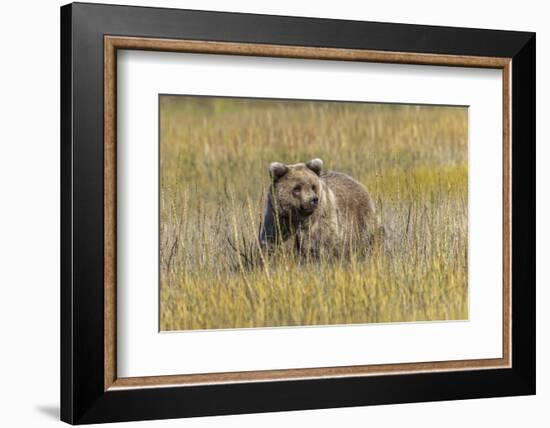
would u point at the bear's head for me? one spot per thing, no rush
(296, 189)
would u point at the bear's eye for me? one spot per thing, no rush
(297, 189)
(314, 188)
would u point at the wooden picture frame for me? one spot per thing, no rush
(91, 391)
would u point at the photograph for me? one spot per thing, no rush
(272, 211)
(287, 212)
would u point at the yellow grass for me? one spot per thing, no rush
(214, 157)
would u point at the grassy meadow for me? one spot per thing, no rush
(214, 154)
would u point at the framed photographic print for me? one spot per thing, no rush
(265, 213)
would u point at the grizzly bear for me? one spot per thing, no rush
(323, 212)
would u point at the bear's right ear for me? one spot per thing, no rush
(277, 170)
(316, 165)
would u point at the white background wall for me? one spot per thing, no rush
(29, 213)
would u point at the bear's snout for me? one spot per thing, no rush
(309, 205)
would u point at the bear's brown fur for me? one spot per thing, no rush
(325, 212)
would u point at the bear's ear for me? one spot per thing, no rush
(316, 165)
(277, 170)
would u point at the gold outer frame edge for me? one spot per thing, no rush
(113, 43)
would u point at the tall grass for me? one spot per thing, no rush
(214, 157)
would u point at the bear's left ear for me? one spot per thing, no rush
(277, 170)
(316, 165)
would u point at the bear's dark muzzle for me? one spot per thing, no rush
(308, 208)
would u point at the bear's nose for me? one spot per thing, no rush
(314, 200)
